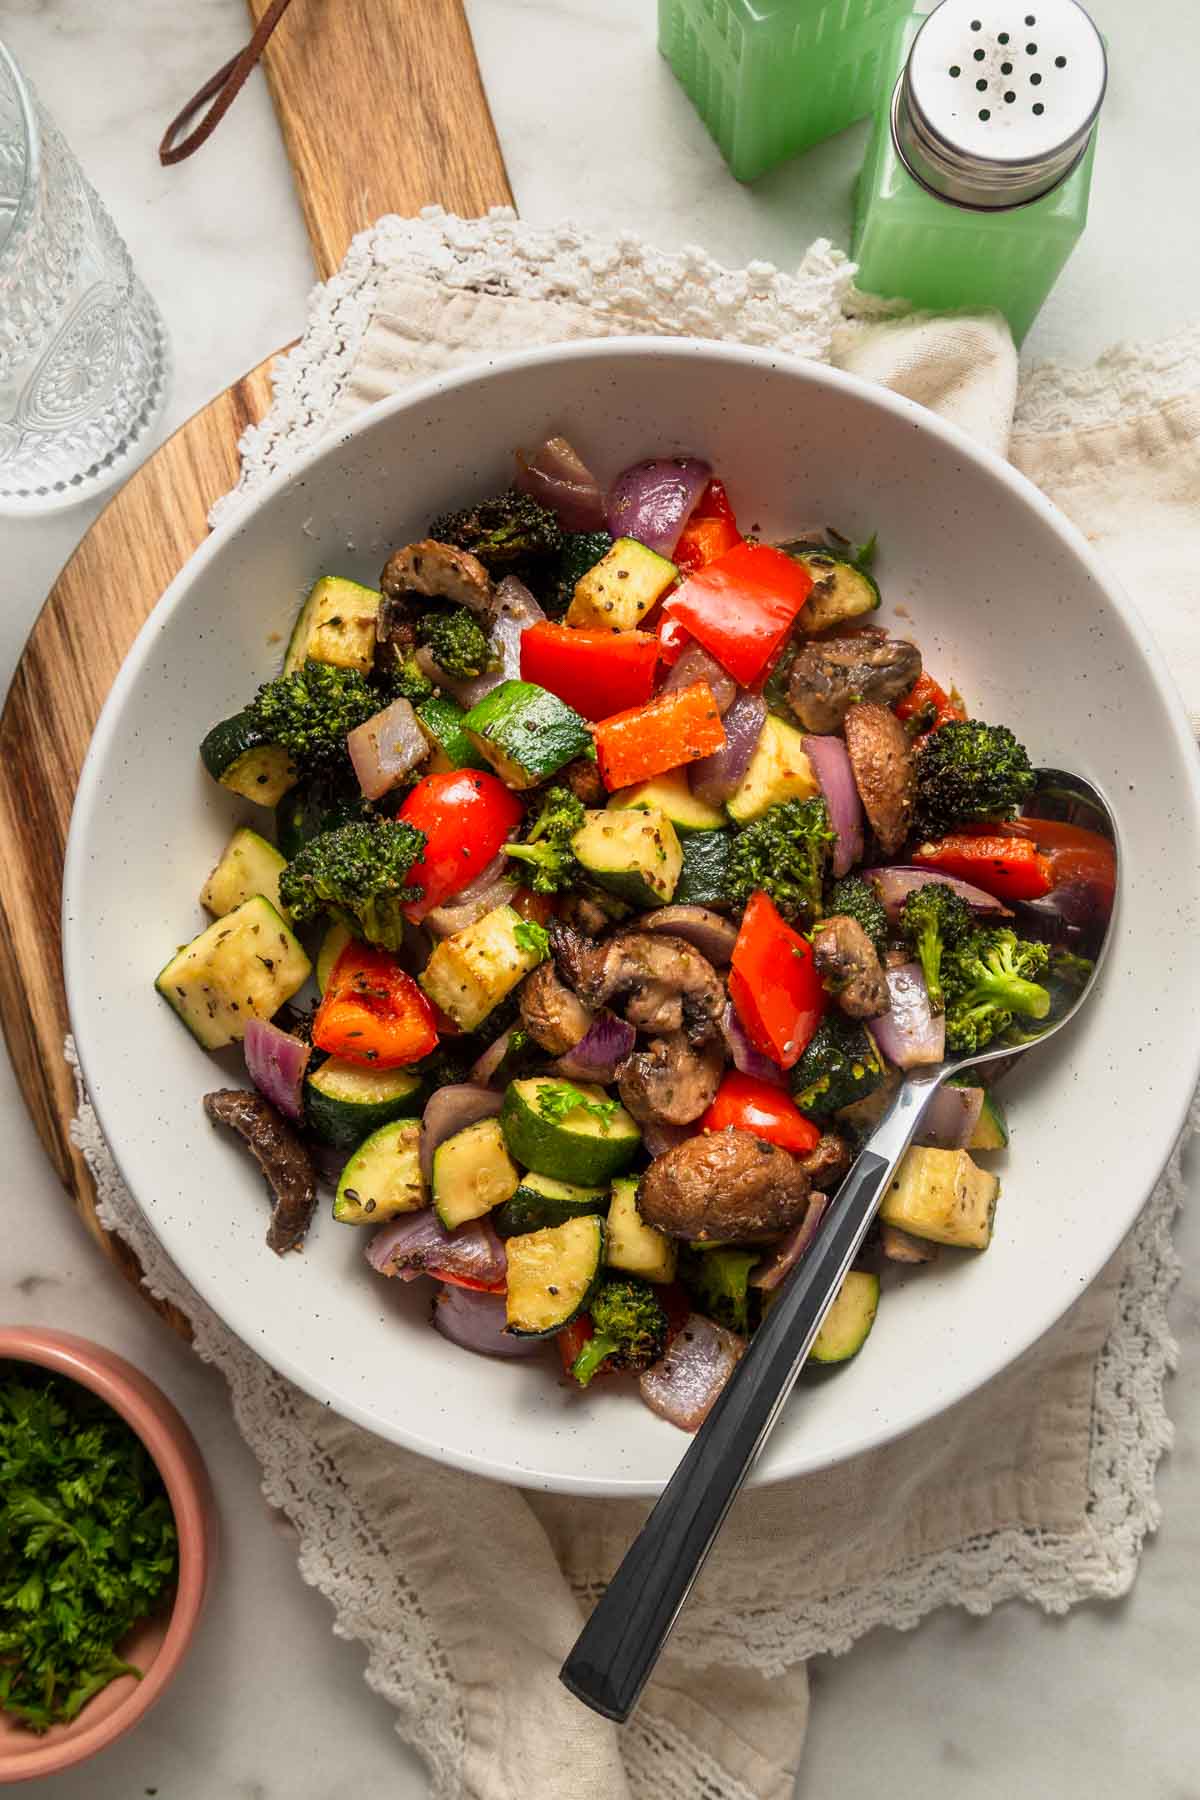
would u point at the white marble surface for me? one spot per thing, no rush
(270, 1704)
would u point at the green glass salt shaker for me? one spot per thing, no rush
(770, 78)
(975, 187)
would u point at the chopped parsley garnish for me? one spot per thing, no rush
(558, 1098)
(532, 937)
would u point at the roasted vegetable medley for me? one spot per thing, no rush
(632, 861)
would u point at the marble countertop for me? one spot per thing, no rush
(270, 1703)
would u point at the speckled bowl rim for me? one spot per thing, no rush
(162, 1429)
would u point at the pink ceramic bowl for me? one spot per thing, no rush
(158, 1645)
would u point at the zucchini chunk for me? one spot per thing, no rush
(670, 795)
(840, 1065)
(526, 733)
(441, 720)
(551, 1275)
(335, 625)
(847, 1324)
(345, 1102)
(779, 770)
(242, 967)
(472, 1172)
(944, 1196)
(991, 1127)
(630, 1244)
(840, 591)
(248, 866)
(633, 854)
(239, 755)
(584, 1146)
(619, 590)
(704, 871)
(540, 1201)
(337, 936)
(471, 972)
(383, 1177)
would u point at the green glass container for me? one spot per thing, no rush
(770, 78)
(975, 187)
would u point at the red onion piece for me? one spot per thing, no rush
(556, 477)
(276, 1064)
(386, 748)
(707, 932)
(697, 664)
(895, 884)
(485, 1066)
(659, 1137)
(515, 611)
(602, 1048)
(746, 1059)
(475, 1321)
(787, 1252)
(713, 778)
(909, 1034)
(950, 1118)
(683, 1387)
(653, 501)
(493, 886)
(831, 765)
(452, 1109)
(419, 1244)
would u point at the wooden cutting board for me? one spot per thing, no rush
(382, 110)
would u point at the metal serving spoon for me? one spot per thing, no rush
(619, 1646)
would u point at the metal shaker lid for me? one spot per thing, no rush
(998, 99)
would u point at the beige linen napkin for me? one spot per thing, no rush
(467, 1595)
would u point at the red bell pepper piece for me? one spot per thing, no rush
(1075, 854)
(372, 1012)
(710, 532)
(764, 1109)
(596, 672)
(466, 814)
(926, 697)
(468, 1281)
(742, 606)
(773, 983)
(571, 1339)
(673, 640)
(676, 728)
(1010, 868)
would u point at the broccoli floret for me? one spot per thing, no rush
(356, 874)
(784, 852)
(310, 712)
(405, 682)
(719, 1283)
(933, 919)
(546, 851)
(581, 551)
(503, 532)
(855, 898)
(456, 643)
(630, 1329)
(988, 981)
(967, 773)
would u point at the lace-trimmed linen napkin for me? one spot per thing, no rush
(466, 1595)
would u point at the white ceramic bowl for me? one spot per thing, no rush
(1000, 592)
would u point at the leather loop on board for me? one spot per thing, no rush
(222, 89)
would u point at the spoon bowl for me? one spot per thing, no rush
(619, 1646)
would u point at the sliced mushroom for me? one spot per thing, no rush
(848, 964)
(554, 1017)
(584, 915)
(281, 1157)
(439, 572)
(829, 676)
(671, 1082)
(712, 935)
(664, 983)
(724, 1184)
(829, 1162)
(583, 778)
(884, 771)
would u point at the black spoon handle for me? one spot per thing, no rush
(619, 1646)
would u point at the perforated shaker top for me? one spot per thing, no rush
(999, 98)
